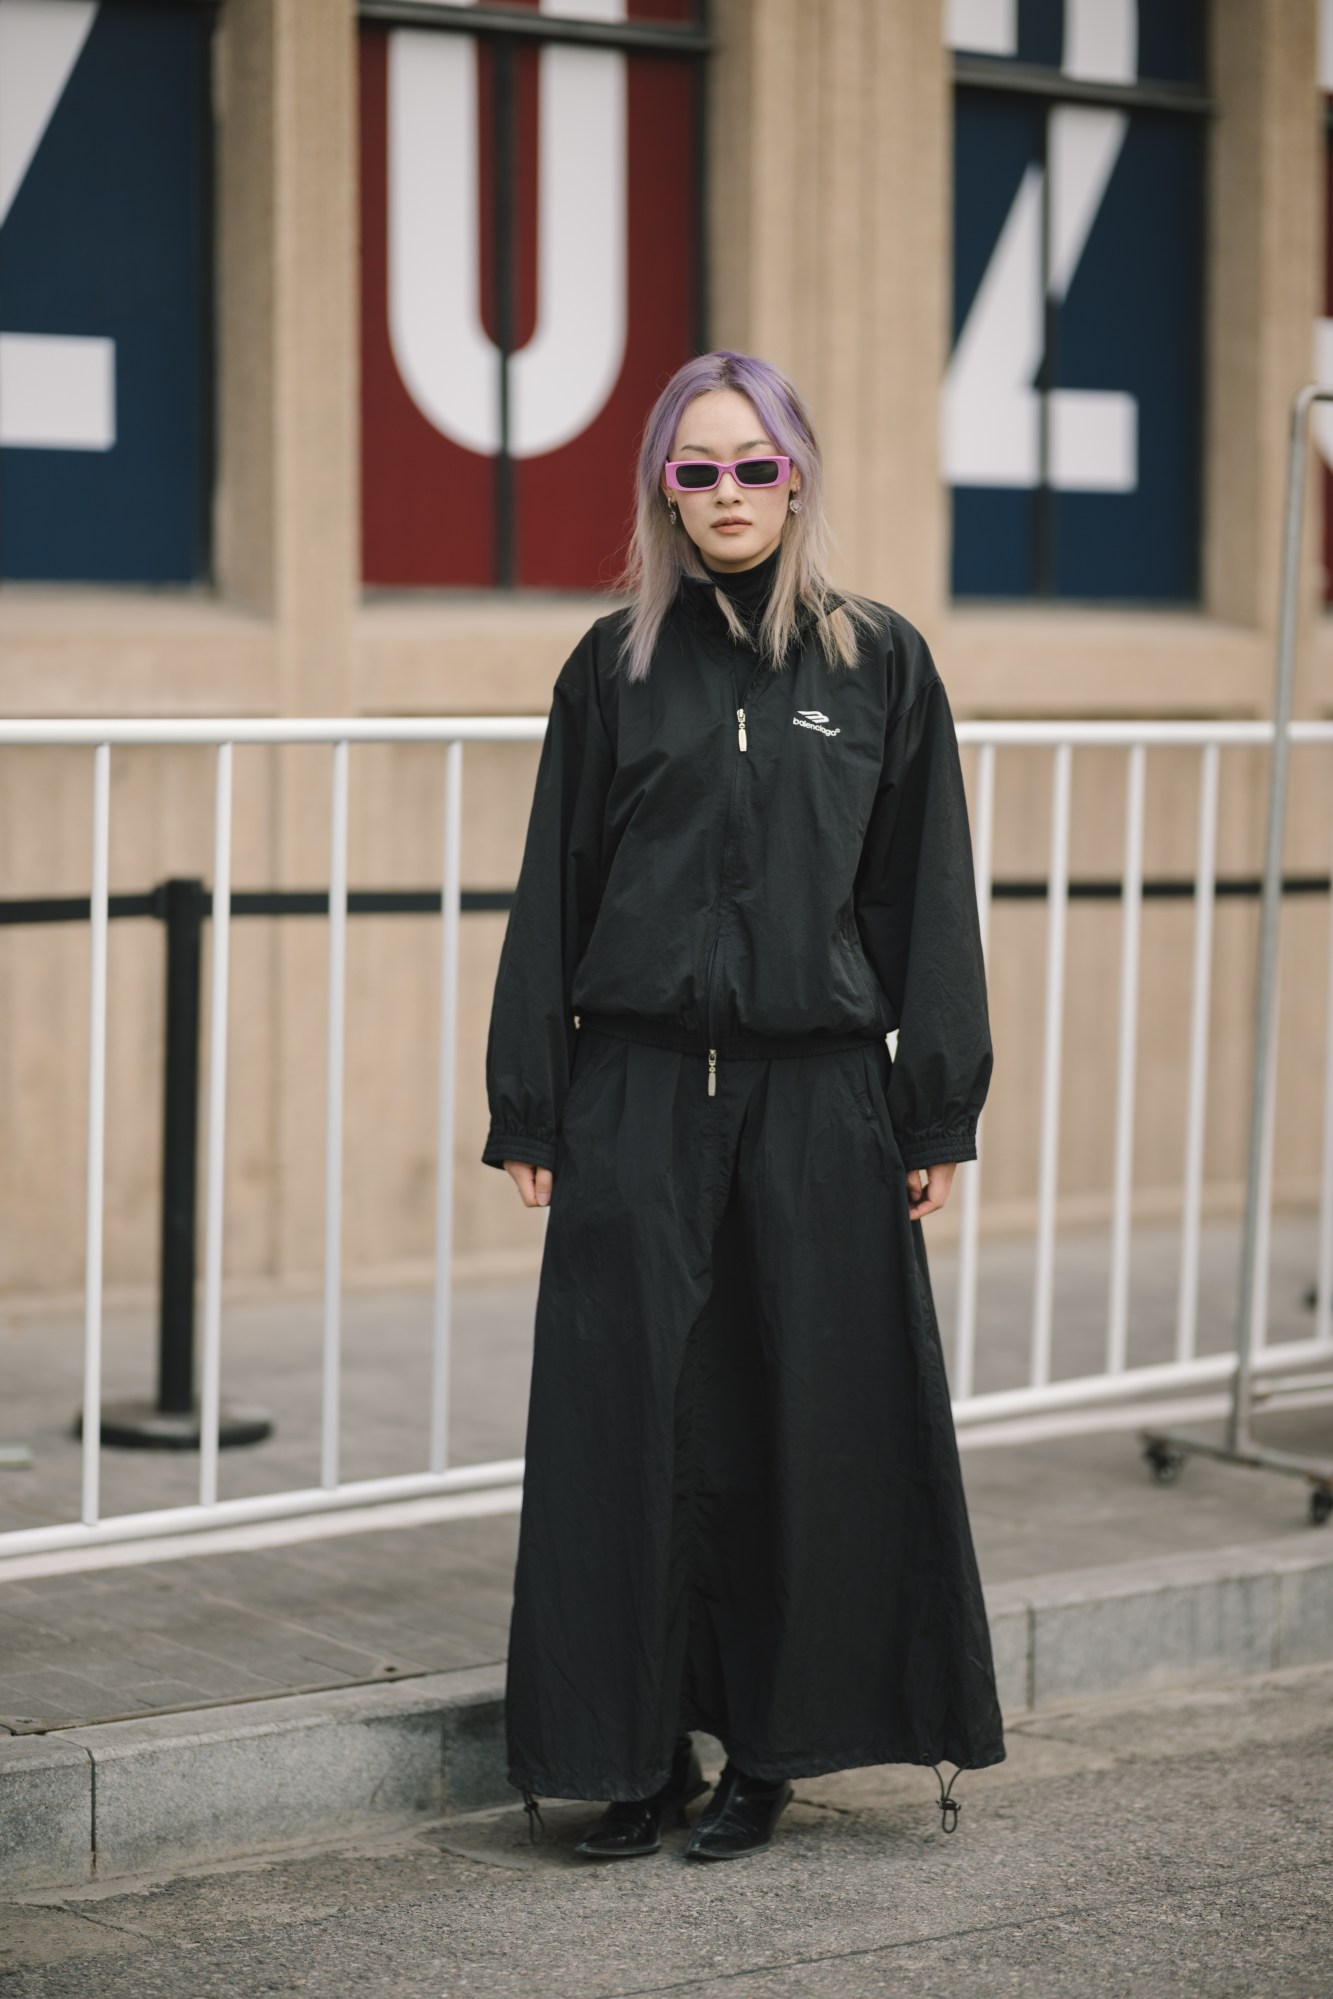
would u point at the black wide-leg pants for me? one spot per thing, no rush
(743, 1508)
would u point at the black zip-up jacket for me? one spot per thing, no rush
(730, 858)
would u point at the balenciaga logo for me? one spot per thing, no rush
(813, 718)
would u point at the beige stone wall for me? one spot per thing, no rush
(829, 232)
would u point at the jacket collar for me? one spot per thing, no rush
(698, 595)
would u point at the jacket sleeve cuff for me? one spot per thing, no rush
(938, 1148)
(525, 1145)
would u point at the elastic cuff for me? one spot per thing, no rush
(532, 1151)
(938, 1148)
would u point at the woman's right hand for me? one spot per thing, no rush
(533, 1182)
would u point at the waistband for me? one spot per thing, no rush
(736, 1047)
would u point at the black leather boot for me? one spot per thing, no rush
(630, 1826)
(739, 1817)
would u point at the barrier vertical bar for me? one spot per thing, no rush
(1323, 1296)
(965, 1334)
(1057, 903)
(1264, 1229)
(1238, 1426)
(211, 1389)
(444, 1148)
(1205, 898)
(333, 1142)
(1117, 1319)
(92, 1309)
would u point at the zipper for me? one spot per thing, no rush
(742, 743)
(708, 976)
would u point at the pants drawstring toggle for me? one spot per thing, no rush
(945, 1802)
(535, 1818)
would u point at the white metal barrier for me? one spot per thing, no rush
(1189, 1370)
(1117, 1382)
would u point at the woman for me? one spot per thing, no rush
(747, 861)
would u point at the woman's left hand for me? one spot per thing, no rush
(928, 1189)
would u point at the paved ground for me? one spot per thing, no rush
(1166, 1845)
(92, 1647)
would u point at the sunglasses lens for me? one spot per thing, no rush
(758, 472)
(697, 478)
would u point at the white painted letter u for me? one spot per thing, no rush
(560, 381)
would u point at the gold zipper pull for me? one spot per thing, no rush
(712, 1072)
(740, 727)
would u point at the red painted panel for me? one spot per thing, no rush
(1328, 312)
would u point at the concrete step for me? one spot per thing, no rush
(185, 1789)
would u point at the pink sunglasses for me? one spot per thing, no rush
(700, 475)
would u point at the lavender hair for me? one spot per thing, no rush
(660, 554)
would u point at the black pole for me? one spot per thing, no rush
(171, 1422)
(182, 913)
(502, 56)
(1044, 519)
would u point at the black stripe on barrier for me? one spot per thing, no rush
(72, 908)
(258, 902)
(1164, 889)
(475, 901)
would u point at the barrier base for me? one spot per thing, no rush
(141, 1426)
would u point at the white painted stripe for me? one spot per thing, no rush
(39, 46)
(982, 27)
(1102, 40)
(57, 392)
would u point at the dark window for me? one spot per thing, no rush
(530, 278)
(105, 297)
(1071, 427)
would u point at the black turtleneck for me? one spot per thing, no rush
(749, 589)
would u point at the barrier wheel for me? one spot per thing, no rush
(1165, 1464)
(1321, 1505)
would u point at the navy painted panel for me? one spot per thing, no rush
(994, 542)
(996, 139)
(109, 236)
(1131, 321)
